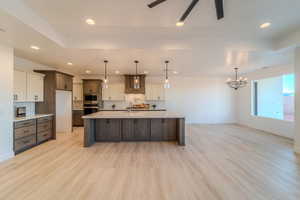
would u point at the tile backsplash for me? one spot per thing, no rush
(30, 107)
(131, 99)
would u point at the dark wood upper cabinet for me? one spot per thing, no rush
(129, 84)
(64, 82)
(92, 86)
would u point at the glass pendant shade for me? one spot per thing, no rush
(167, 84)
(136, 81)
(105, 81)
(105, 84)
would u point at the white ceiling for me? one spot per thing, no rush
(129, 30)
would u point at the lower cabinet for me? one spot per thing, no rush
(108, 130)
(163, 130)
(77, 118)
(116, 130)
(29, 133)
(44, 129)
(136, 130)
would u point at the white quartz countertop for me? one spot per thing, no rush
(19, 119)
(132, 114)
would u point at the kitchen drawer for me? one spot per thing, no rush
(43, 136)
(44, 119)
(42, 127)
(24, 143)
(25, 131)
(25, 123)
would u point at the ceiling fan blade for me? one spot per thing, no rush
(155, 3)
(220, 8)
(189, 9)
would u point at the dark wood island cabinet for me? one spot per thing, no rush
(133, 127)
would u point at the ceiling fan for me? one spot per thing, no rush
(219, 9)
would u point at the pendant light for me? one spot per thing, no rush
(136, 83)
(167, 83)
(105, 82)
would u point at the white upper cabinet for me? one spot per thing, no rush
(28, 87)
(20, 86)
(35, 87)
(114, 92)
(77, 92)
(155, 92)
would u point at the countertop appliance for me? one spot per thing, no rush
(21, 111)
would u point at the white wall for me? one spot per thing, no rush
(6, 102)
(297, 101)
(279, 127)
(205, 100)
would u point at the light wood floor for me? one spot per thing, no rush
(219, 162)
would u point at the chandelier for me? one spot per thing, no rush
(238, 82)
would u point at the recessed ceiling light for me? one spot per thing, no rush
(35, 47)
(179, 24)
(69, 63)
(90, 22)
(175, 72)
(88, 71)
(146, 72)
(117, 72)
(265, 25)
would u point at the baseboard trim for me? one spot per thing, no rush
(6, 156)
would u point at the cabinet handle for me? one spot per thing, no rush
(45, 135)
(26, 131)
(107, 121)
(26, 142)
(15, 97)
(66, 86)
(27, 123)
(163, 121)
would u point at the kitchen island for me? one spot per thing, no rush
(133, 126)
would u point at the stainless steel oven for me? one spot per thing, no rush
(90, 108)
(91, 99)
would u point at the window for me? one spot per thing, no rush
(274, 97)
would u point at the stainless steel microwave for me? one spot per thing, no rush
(90, 98)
